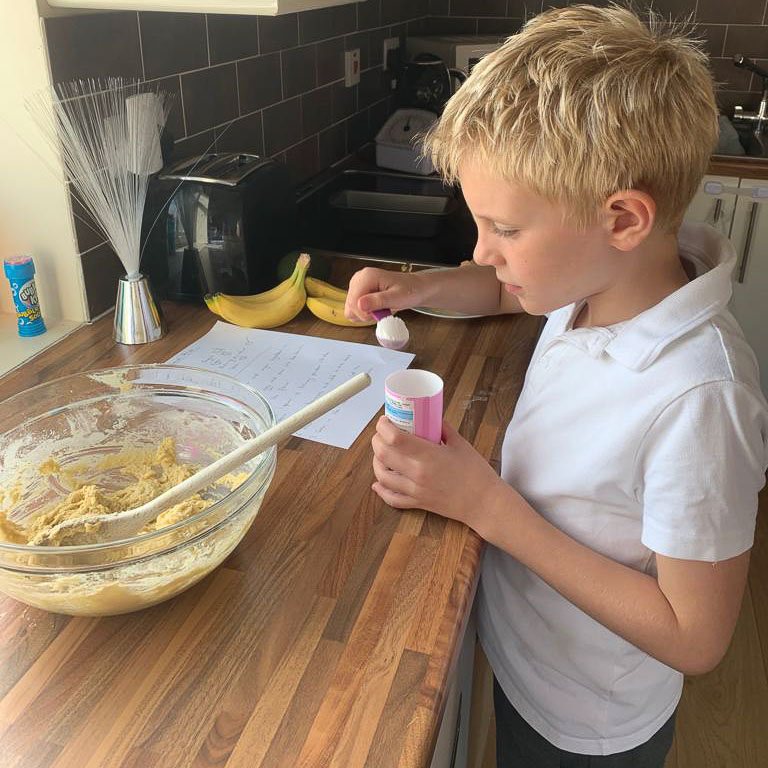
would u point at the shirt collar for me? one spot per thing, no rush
(636, 343)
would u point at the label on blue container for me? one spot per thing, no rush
(28, 297)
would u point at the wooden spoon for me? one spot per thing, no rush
(124, 524)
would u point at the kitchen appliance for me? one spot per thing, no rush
(388, 213)
(334, 221)
(223, 220)
(426, 83)
(397, 142)
(457, 51)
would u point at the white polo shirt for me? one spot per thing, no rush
(647, 436)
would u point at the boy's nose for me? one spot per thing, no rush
(485, 256)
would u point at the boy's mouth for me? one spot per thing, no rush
(512, 288)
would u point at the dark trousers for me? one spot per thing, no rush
(520, 746)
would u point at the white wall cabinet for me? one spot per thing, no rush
(739, 211)
(749, 235)
(262, 7)
(715, 210)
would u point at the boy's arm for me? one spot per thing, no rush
(685, 618)
(700, 465)
(471, 289)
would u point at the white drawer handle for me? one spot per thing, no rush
(717, 188)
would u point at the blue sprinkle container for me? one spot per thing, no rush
(20, 271)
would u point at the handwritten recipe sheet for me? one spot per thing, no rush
(292, 370)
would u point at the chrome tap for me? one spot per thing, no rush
(758, 119)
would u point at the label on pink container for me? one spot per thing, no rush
(413, 401)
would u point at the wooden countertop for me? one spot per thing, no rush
(325, 639)
(739, 166)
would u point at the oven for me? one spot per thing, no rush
(386, 216)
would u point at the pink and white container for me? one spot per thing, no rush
(413, 401)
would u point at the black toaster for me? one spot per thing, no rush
(217, 223)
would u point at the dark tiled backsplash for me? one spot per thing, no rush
(274, 85)
(727, 27)
(94, 45)
(268, 85)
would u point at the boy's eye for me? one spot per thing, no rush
(503, 232)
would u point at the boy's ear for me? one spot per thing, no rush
(629, 216)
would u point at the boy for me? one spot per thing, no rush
(621, 525)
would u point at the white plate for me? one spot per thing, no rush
(444, 313)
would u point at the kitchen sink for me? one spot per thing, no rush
(752, 145)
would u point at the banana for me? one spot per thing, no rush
(253, 312)
(319, 289)
(267, 297)
(332, 311)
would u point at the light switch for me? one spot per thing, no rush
(352, 67)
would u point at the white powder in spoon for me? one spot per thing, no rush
(392, 332)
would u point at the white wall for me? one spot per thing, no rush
(35, 216)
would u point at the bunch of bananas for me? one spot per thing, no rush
(282, 303)
(268, 309)
(327, 302)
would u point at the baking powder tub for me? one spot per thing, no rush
(413, 401)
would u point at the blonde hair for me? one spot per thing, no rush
(584, 102)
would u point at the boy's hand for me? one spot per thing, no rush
(372, 288)
(451, 479)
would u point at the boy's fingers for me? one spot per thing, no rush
(391, 479)
(396, 500)
(391, 435)
(378, 300)
(405, 444)
(449, 433)
(389, 457)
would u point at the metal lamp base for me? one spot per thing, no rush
(138, 318)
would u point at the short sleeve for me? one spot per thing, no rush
(700, 467)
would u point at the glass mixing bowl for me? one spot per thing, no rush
(84, 423)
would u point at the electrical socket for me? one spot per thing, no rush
(351, 67)
(390, 44)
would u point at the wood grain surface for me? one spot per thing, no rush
(325, 639)
(742, 166)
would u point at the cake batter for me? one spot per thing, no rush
(153, 473)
